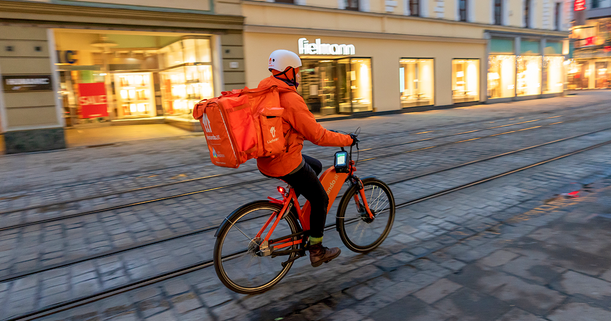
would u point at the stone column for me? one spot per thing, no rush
(31, 115)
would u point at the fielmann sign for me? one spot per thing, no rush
(319, 48)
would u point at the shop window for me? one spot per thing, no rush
(579, 75)
(333, 86)
(553, 67)
(529, 75)
(602, 81)
(416, 82)
(465, 80)
(135, 94)
(595, 4)
(462, 10)
(187, 75)
(351, 5)
(360, 85)
(498, 12)
(501, 76)
(414, 8)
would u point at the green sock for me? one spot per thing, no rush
(315, 240)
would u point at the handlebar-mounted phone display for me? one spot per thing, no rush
(341, 162)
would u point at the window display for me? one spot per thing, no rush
(134, 93)
(465, 80)
(501, 76)
(360, 83)
(187, 77)
(336, 85)
(529, 75)
(578, 75)
(602, 80)
(416, 82)
(553, 71)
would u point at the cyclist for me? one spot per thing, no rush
(301, 171)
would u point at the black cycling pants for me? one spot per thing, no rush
(305, 182)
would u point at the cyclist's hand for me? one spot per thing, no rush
(355, 139)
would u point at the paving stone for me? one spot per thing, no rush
(516, 314)
(228, 311)
(533, 269)
(408, 308)
(437, 291)
(196, 315)
(186, 302)
(164, 316)
(345, 315)
(466, 304)
(360, 292)
(576, 311)
(215, 298)
(498, 258)
(153, 306)
(577, 283)
(319, 311)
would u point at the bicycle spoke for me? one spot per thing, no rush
(252, 272)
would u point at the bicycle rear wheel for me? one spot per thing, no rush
(235, 252)
(358, 232)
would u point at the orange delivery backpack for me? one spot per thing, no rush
(242, 124)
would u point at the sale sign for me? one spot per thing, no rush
(92, 99)
(580, 5)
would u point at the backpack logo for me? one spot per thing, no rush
(214, 153)
(273, 131)
(206, 122)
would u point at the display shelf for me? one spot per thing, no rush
(135, 95)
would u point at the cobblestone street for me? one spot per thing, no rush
(502, 213)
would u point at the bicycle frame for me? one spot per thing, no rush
(332, 182)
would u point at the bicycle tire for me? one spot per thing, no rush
(361, 218)
(220, 240)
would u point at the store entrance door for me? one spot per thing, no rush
(318, 86)
(336, 86)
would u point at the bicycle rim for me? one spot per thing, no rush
(236, 262)
(358, 232)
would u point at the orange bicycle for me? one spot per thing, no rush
(249, 240)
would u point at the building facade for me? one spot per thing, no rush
(590, 64)
(78, 63)
(382, 55)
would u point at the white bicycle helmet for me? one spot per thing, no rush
(281, 59)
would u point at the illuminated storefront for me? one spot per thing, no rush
(553, 68)
(336, 86)
(465, 80)
(140, 76)
(501, 76)
(589, 68)
(529, 75)
(416, 82)
(525, 67)
(344, 75)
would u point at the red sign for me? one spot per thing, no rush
(92, 100)
(589, 41)
(580, 5)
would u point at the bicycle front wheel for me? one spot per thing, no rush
(357, 230)
(237, 259)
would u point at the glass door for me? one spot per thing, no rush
(328, 84)
(310, 85)
(344, 94)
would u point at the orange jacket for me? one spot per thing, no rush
(298, 124)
